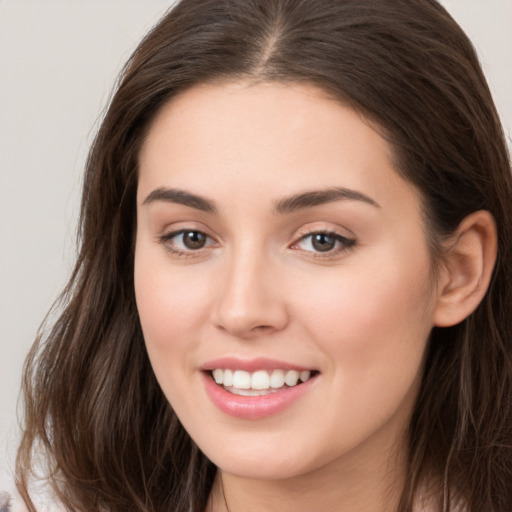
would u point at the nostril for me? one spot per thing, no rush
(246, 307)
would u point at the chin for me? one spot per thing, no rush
(265, 459)
(267, 469)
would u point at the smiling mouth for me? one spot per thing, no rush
(260, 382)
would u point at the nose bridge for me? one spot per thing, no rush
(249, 299)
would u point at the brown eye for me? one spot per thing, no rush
(322, 242)
(328, 243)
(186, 241)
(194, 239)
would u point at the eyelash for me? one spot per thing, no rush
(167, 237)
(345, 243)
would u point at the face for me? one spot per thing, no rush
(282, 278)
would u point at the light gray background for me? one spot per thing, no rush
(58, 62)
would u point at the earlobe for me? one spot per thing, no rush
(468, 264)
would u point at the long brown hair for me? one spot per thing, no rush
(94, 411)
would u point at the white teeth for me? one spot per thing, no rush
(305, 375)
(248, 392)
(257, 383)
(228, 378)
(260, 380)
(241, 379)
(277, 379)
(218, 375)
(291, 378)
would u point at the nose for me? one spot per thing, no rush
(250, 301)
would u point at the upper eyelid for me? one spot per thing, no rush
(175, 232)
(323, 232)
(168, 231)
(333, 234)
(304, 232)
(298, 236)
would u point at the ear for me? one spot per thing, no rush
(467, 269)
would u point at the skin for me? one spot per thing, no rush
(360, 315)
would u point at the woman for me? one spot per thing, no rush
(293, 289)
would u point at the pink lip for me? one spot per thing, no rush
(254, 407)
(251, 365)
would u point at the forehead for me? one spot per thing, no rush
(240, 138)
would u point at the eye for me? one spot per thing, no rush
(186, 241)
(324, 242)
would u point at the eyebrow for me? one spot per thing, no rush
(285, 205)
(175, 195)
(319, 197)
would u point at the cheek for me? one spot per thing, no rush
(172, 309)
(374, 329)
(172, 304)
(371, 317)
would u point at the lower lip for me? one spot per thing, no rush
(254, 407)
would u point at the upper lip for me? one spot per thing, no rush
(251, 365)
